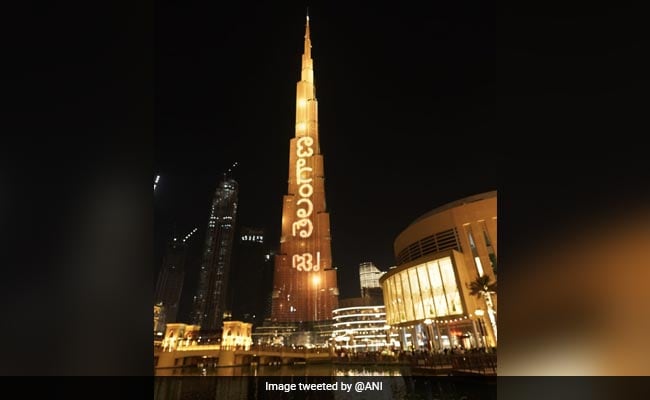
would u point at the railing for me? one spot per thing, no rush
(478, 363)
(240, 349)
(287, 349)
(199, 347)
(470, 362)
(368, 358)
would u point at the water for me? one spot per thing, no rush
(396, 382)
(291, 370)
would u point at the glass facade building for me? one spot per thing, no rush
(369, 276)
(439, 255)
(427, 290)
(210, 299)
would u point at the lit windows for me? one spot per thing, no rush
(427, 290)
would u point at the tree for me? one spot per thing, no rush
(483, 287)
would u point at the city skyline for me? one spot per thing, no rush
(405, 101)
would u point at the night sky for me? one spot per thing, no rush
(408, 108)
(406, 116)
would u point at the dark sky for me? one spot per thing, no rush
(406, 115)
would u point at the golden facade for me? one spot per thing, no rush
(236, 335)
(179, 334)
(439, 255)
(426, 290)
(305, 287)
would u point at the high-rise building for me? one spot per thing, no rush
(305, 287)
(369, 276)
(170, 279)
(209, 301)
(251, 276)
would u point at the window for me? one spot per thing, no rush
(490, 249)
(415, 290)
(439, 300)
(475, 256)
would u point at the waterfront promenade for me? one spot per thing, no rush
(479, 363)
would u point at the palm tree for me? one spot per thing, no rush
(483, 287)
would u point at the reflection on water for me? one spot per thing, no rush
(290, 370)
(253, 383)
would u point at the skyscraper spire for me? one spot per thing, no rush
(305, 285)
(307, 53)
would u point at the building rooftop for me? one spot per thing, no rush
(453, 204)
(361, 302)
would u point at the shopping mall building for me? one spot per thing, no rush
(427, 296)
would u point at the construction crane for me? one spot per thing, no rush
(229, 171)
(193, 231)
(186, 237)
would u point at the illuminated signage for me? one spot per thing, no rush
(303, 227)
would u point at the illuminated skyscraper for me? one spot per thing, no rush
(305, 287)
(369, 276)
(209, 302)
